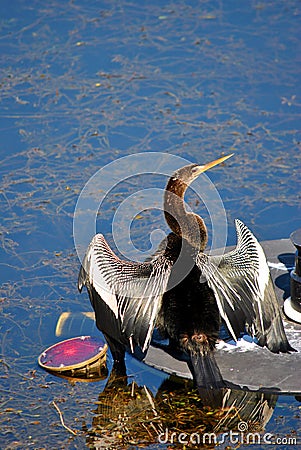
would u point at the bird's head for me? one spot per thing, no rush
(189, 173)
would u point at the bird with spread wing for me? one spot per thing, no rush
(182, 291)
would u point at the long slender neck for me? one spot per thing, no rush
(186, 225)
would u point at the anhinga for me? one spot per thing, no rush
(130, 299)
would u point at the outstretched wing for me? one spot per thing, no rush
(126, 296)
(244, 291)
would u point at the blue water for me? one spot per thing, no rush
(84, 83)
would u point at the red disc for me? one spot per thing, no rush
(72, 353)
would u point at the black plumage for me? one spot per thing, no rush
(183, 291)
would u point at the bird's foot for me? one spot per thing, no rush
(200, 339)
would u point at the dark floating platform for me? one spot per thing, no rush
(245, 365)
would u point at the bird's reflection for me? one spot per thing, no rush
(130, 415)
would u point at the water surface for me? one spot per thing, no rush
(83, 83)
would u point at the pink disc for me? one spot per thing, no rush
(72, 353)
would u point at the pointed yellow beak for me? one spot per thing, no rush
(214, 163)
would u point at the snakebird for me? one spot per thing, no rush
(182, 291)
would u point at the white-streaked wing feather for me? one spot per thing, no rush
(244, 291)
(98, 280)
(132, 291)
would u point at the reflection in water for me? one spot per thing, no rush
(129, 415)
(133, 414)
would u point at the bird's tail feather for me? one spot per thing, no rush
(208, 378)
